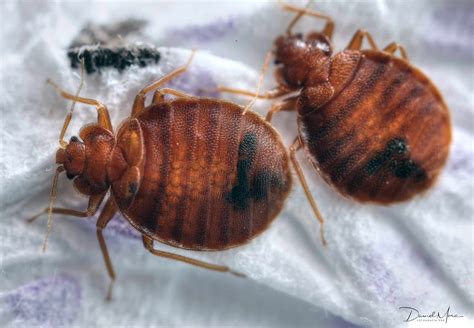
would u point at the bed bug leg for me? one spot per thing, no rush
(392, 47)
(94, 203)
(266, 63)
(286, 105)
(175, 93)
(139, 102)
(148, 243)
(328, 28)
(271, 94)
(68, 118)
(356, 41)
(107, 214)
(279, 91)
(299, 172)
(92, 207)
(103, 118)
(158, 97)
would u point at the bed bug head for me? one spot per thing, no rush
(85, 159)
(72, 157)
(298, 55)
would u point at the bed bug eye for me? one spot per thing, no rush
(74, 139)
(324, 47)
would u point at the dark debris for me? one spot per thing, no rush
(99, 57)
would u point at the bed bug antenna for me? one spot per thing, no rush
(81, 84)
(180, 70)
(63, 144)
(266, 63)
(53, 195)
(298, 15)
(328, 28)
(60, 169)
(68, 118)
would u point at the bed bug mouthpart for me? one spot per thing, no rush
(373, 125)
(190, 172)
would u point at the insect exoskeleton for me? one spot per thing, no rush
(373, 125)
(196, 173)
(190, 172)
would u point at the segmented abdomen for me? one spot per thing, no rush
(213, 178)
(385, 137)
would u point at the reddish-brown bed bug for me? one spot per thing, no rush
(190, 172)
(373, 125)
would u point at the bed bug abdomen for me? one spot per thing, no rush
(384, 137)
(212, 177)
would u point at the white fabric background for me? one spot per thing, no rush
(417, 254)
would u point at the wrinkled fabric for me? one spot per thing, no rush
(418, 254)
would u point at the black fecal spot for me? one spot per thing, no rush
(248, 147)
(393, 149)
(97, 58)
(376, 163)
(240, 193)
(257, 190)
(111, 52)
(396, 157)
(397, 146)
(133, 188)
(407, 168)
(263, 182)
(246, 189)
(239, 197)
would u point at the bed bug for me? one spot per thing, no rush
(190, 172)
(373, 125)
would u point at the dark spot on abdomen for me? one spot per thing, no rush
(407, 168)
(394, 148)
(396, 156)
(388, 172)
(247, 189)
(240, 193)
(263, 182)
